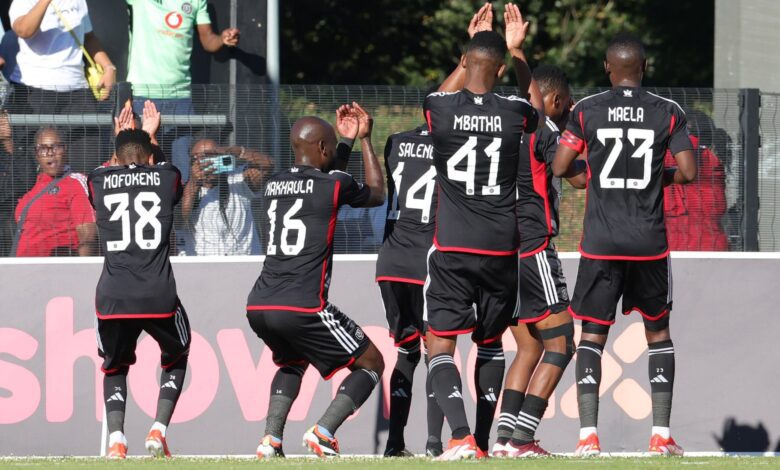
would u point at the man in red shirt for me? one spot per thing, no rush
(54, 218)
(693, 212)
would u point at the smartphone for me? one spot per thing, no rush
(220, 163)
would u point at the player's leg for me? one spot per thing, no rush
(339, 343)
(529, 352)
(649, 292)
(557, 333)
(273, 327)
(173, 335)
(403, 307)
(596, 293)
(434, 415)
(489, 370)
(496, 303)
(449, 295)
(116, 345)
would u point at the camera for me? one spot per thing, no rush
(220, 163)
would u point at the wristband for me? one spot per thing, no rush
(349, 142)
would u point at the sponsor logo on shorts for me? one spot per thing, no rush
(359, 335)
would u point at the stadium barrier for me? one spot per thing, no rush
(51, 383)
(735, 200)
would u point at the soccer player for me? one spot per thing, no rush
(476, 136)
(402, 269)
(288, 307)
(544, 328)
(401, 272)
(625, 131)
(134, 201)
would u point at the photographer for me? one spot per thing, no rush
(217, 201)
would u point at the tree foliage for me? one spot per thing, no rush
(417, 42)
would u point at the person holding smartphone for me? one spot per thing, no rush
(217, 201)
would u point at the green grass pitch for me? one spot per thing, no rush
(393, 464)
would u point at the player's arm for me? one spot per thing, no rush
(682, 148)
(481, 21)
(374, 178)
(190, 192)
(87, 235)
(210, 41)
(516, 31)
(347, 125)
(686, 169)
(580, 179)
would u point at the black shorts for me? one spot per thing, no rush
(403, 303)
(459, 281)
(117, 339)
(541, 286)
(646, 287)
(328, 339)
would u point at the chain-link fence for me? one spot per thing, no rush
(252, 123)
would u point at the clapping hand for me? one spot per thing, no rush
(482, 20)
(347, 122)
(516, 29)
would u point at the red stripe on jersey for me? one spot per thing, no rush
(648, 317)
(536, 319)
(450, 333)
(572, 141)
(428, 118)
(126, 316)
(408, 339)
(400, 279)
(471, 251)
(623, 257)
(590, 319)
(490, 340)
(333, 372)
(539, 175)
(536, 251)
(671, 125)
(284, 307)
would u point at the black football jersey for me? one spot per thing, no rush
(303, 205)
(476, 142)
(538, 191)
(134, 208)
(625, 132)
(411, 208)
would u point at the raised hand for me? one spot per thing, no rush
(347, 122)
(482, 20)
(125, 119)
(516, 29)
(364, 119)
(151, 119)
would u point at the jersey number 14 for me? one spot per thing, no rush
(426, 182)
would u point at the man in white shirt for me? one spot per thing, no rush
(217, 200)
(49, 74)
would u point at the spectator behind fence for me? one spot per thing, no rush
(7, 199)
(694, 212)
(55, 218)
(217, 201)
(49, 75)
(159, 63)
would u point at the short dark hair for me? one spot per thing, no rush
(133, 144)
(627, 42)
(550, 78)
(489, 42)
